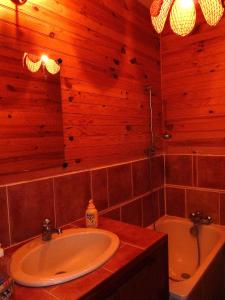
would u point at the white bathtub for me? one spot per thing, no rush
(183, 253)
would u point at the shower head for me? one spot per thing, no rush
(167, 136)
(148, 88)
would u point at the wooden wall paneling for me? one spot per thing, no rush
(193, 71)
(110, 54)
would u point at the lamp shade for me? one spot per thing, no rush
(183, 17)
(212, 10)
(160, 20)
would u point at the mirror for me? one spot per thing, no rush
(31, 126)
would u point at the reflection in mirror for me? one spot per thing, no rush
(31, 128)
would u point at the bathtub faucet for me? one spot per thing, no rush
(199, 219)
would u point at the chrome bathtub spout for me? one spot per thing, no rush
(207, 220)
(199, 219)
(47, 230)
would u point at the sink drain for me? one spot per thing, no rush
(185, 276)
(60, 272)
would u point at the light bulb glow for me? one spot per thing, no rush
(44, 58)
(34, 63)
(185, 4)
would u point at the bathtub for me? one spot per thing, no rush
(187, 280)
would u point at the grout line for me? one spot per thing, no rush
(54, 202)
(194, 188)
(158, 205)
(50, 293)
(165, 200)
(132, 180)
(219, 220)
(8, 216)
(164, 168)
(197, 183)
(110, 271)
(164, 188)
(91, 184)
(150, 171)
(133, 245)
(185, 203)
(107, 185)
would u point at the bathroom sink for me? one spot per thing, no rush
(67, 256)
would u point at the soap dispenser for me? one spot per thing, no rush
(91, 215)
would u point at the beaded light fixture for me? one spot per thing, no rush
(182, 14)
(34, 63)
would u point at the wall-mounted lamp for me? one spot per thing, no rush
(34, 63)
(19, 2)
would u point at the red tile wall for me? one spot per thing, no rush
(195, 182)
(131, 192)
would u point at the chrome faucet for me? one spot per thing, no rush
(47, 230)
(199, 219)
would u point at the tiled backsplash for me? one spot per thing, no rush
(131, 192)
(195, 183)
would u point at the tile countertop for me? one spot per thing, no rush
(136, 242)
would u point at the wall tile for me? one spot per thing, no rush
(120, 188)
(157, 171)
(132, 212)
(195, 170)
(21, 293)
(4, 224)
(175, 202)
(179, 169)
(141, 177)
(113, 214)
(122, 257)
(211, 171)
(99, 188)
(78, 288)
(222, 209)
(204, 201)
(150, 209)
(29, 204)
(161, 203)
(72, 193)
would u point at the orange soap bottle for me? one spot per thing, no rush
(91, 215)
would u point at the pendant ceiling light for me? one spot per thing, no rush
(182, 14)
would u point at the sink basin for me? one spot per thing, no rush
(67, 256)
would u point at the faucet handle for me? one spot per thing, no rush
(46, 222)
(210, 219)
(193, 215)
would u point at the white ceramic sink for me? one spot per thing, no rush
(67, 256)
